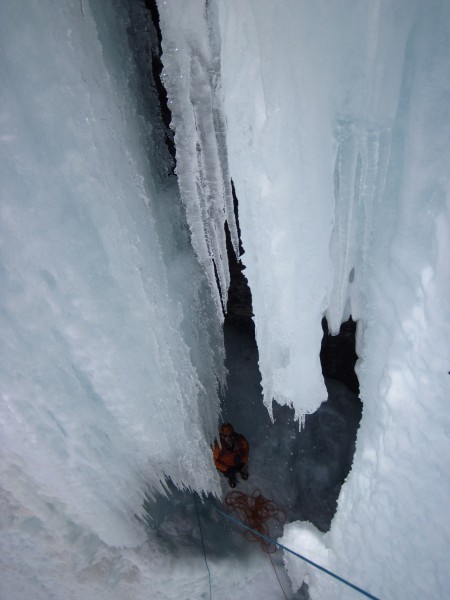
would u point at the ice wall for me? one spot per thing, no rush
(309, 130)
(338, 137)
(280, 148)
(112, 352)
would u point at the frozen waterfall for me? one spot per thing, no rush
(338, 135)
(332, 120)
(112, 353)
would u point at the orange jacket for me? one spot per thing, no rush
(226, 458)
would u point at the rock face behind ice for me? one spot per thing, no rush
(338, 356)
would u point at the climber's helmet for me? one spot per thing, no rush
(227, 434)
(226, 429)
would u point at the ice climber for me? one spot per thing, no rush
(231, 455)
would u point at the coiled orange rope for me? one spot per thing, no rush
(255, 511)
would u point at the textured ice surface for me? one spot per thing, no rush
(192, 78)
(111, 348)
(279, 148)
(337, 124)
(338, 133)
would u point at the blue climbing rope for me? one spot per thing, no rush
(268, 539)
(203, 545)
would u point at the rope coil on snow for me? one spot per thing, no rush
(254, 511)
(259, 512)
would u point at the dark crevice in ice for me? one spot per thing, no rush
(157, 68)
(216, 275)
(338, 355)
(239, 306)
(236, 217)
(146, 45)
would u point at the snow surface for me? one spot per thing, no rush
(332, 118)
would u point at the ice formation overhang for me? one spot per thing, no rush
(192, 78)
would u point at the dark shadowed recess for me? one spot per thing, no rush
(239, 305)
(338, 355)
(156, 69)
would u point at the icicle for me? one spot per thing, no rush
(192, 78)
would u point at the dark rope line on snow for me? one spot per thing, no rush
(273, 566)
(203, 545)
(341, 579)
(255, 511)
